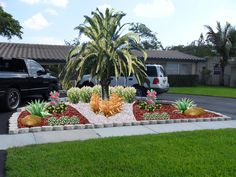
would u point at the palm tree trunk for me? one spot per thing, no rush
(222, 74)
(105, 90)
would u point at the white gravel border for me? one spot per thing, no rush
(13, 128)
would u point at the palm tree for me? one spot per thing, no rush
(223, 40)
(108, 52)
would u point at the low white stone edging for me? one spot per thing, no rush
(13, 124)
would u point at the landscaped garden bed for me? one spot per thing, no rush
(85, 109)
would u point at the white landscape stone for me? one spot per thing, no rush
(125, 116)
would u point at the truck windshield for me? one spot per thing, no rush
(13, 65)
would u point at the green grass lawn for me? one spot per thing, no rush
(198, 153)
(202, 90)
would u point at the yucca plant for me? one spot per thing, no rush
(38, 108)
(183, 104)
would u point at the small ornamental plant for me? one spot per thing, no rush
(151, 103)
(55, 105)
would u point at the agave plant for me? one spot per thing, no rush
(184, 104)
(38, 108)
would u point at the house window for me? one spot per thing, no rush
(185, 68)
(172, 68)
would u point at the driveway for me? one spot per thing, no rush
(219, 104)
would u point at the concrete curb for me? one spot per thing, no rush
(13, 125)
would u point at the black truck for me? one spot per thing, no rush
(21, 78)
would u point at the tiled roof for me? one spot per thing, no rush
(34, 51)
(58, 53)
(168, 55)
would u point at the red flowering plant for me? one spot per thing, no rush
(55, 105)
(151, 103)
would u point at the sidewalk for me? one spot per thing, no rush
(7, 141)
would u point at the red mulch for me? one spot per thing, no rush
(171, 110)
(70, 111)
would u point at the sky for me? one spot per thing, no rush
(176, 22)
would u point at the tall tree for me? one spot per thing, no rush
(223, 40)
(148, 37)
(107, 52)
(9, 26)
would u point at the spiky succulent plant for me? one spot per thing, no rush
(183, 104)
(38, 108)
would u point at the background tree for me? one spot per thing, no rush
(9, 26)
(108, 52)
(223, 40)
(148, 37)
(200, 48)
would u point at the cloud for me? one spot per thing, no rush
(103, 7)
(57, 3)
(48, 40)
(51, 12)
(31, 1)
(155, 9)
(2, 4)
(36, 22)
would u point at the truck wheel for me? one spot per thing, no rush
(13, 99)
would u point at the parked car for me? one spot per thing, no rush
(156, 75)
(23, 77)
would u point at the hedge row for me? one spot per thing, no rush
(183, 80)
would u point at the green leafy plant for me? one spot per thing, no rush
(59, 108)
(73, 95)
(129, 94)
(156, 116)
(151, 103)
(85, 94)
(38, 108)
(183, 104)
(64, 120)
(142, 104)
(97, 89)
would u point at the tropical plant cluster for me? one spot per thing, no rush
(84, 94)
(107, 107)
(151, 103)
(183, 104)
(55, 105)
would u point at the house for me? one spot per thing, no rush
(175, 62)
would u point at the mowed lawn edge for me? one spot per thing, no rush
(197, 153)
(205, 91)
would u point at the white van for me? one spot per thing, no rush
(156, 75)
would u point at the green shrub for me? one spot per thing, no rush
(129, 94)
(184, 104)
(58, 108)
(85, 94)
(38, 108)
(97, 89)
(183, 80)
(64, 120)
(156, 116)
(73, 95)
(117, 90)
